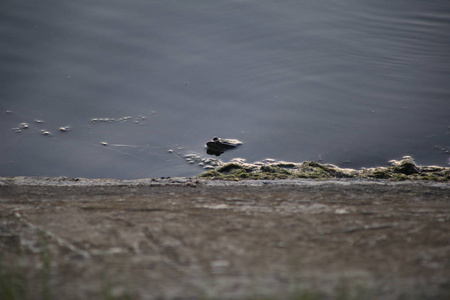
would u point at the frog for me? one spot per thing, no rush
(218, 146)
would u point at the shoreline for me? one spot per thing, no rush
(204, 182)
(269, 173)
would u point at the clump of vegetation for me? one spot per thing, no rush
(405, 169)
(315, 170)
(231, 168)
(234, 171)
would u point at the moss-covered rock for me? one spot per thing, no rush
(405, 166)
(405, 169)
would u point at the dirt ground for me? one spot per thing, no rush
(183, 238)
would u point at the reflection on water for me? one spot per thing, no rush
(126, 90)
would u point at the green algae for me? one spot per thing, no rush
(405, 169)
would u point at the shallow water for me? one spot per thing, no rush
(350, 83)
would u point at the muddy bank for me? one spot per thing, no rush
(188, 238)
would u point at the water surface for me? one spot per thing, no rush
(353, 83)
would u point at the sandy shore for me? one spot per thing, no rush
(186, 238)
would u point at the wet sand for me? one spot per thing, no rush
(186, 238)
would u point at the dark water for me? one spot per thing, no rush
(353, 83)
